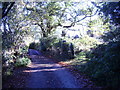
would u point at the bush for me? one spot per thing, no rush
(24, 49)
(81, 55)
(57, 47)
(113, 35)
(22, 62)
(46, 43)
(103, 67)
(88, 41)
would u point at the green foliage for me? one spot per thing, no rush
(103, 67)
(24, 49)
(109, 10)
(53, 8)
(112, 36)
(50, 12)
(88, 41)
(57, 47)
(81, 55)
(22, 62)
(99, 25)
(46, 43)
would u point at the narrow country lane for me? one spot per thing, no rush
(44, 73)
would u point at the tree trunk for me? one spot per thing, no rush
(44, 34)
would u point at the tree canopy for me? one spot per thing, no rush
(110, 10)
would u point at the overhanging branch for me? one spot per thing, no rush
(73, 23)
(5, 12)
(87, 16)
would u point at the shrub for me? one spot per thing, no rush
(103, 67)
(113, 35)
(24, 49)
(58, 48)
(22, 62)
(46, 43)
(81, 55)
(88, 41)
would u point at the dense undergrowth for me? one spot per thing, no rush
(57, 48)
(14, 58)
(99, 60)
(103, 61)
(103, 66)
(22, 62)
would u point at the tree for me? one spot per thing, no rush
(110, 10)
(44, 14)
(49, 15)
(13, 32)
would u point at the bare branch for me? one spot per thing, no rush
(74, 22)
(87, 16)
(5, 12)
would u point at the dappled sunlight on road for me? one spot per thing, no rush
(43, 72)
(40, 70)
(37, 65)
(43, 65)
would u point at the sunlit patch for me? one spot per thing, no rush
(43, 65)
(41, 70)
(66, 63)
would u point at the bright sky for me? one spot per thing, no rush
(77, 27)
